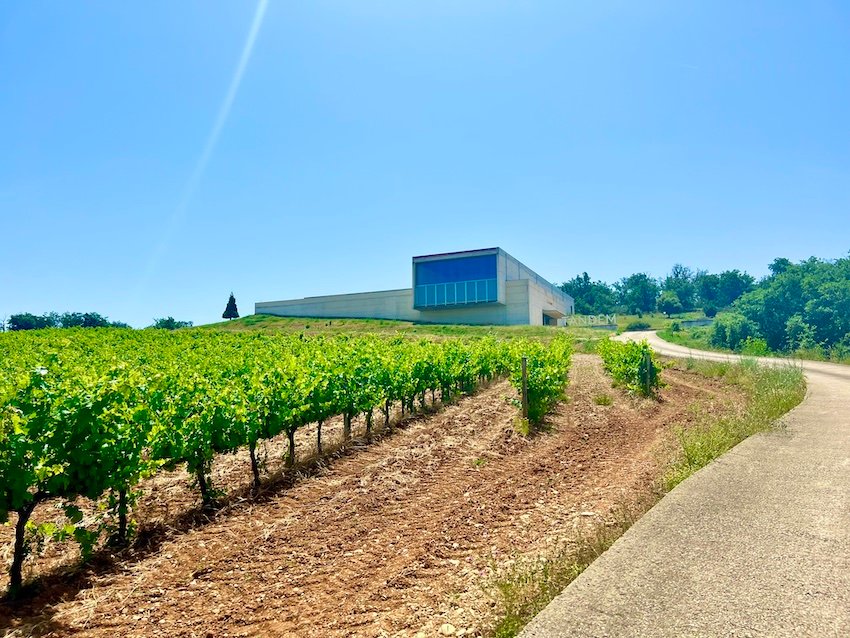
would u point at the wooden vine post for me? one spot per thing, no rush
(525, 387)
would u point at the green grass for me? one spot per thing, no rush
(524, 588)
(656, 320)
(696, 338)
(771, 391)
(603, 399)
(585, 338)
(699, 339)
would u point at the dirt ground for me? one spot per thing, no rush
(390, 539)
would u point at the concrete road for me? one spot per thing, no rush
(755, 544)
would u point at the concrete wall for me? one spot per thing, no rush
(384, 304)
(542, 297)
(398, 305)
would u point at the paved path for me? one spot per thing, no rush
(755, 544)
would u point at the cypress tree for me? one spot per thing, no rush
(231, 312)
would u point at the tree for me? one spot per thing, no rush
(707, 288)
(28, 321)
(669, 303)
(231, 312)
(83, 320)
(681, 282)
(779, 266)
(732, 284)
(637, 293)
(170, 323)
(591, 297)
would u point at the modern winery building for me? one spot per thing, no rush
(485, 286)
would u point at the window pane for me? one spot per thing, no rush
(482, 290)
(431, 295)
(470, 292)
(450, 293)
(492, 290)
(441, 294)
(420, 296)
(461, 292)
(457, 269)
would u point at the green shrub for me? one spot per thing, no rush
(710, 310)
(799, 335)
(755, 347)
(732, 330)
(637, 325)
(675, 326)
(632, 365)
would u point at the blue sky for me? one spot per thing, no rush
(607, 137)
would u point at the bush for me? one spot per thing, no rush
(755, 347)
(840, 352)
(637, 325)
(675, 327)
(632, 365)
(732, 330)
(170, 323)
(710, 310)
(799, 335)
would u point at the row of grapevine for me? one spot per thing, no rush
(89, 413)
(633, 365)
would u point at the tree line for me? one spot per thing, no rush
(29, 321)
(683, 290)
(798, 307)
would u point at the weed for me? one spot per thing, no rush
(771, 392)
(603, 399)
(524, 587)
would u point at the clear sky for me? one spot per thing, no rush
(157, 155)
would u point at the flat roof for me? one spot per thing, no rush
(457, 252)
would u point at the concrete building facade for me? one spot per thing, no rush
(485, 286)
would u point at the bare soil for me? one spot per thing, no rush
(391, 539)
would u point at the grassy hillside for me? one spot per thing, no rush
(310, 326)
(317, 326)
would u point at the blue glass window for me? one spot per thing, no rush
(459, 269)
(458, 281)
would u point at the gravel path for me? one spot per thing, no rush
(755, 544)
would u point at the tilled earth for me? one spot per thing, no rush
(392, 539)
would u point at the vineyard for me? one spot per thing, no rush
(90, 413)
